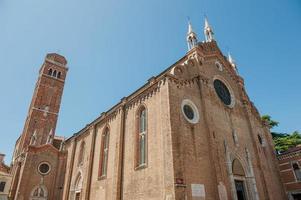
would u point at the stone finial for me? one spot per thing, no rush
(191, 37)
(208, 32)
(232, 62)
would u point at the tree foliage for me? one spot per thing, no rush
(269, 121)
(282, 141)
(285, 141)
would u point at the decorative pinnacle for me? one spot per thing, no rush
(232, 62)
(191, 37)
(208, 31)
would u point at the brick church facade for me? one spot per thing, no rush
(189, 133)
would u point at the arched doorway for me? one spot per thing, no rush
(39, 193)
(239, 180)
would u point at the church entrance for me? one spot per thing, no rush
(239, 180)
(240, 190)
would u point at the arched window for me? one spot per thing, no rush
(59, 75)
(261, 140)
(54, 73)
(141, 154)
(50, 72)
(104, 153)
(81, 153)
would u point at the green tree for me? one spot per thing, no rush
(269, 121)
(282, 141)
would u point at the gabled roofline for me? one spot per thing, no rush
(144, 87)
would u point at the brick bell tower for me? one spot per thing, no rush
(40, 125)
(45, 105)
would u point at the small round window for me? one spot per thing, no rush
(190, 111)
(44, 168)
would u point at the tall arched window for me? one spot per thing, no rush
(81, 153)
(50, 72)
(141, 154)
(104, 153)
(54, 73)
(59, 75)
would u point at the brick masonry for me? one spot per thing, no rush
(185, 161)
(180, 155)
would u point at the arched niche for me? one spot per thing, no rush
(39, 193)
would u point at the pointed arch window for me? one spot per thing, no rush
(54, 73)
(59, 75)
(141, 153)
(81, 153)
(50, 72)
(104, 153)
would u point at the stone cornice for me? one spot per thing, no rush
(43, 148)
(55, 63)
(201, 54)
(145, 92)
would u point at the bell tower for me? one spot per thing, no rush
(39, 130)
(43, 112)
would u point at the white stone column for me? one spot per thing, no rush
(230, 173)
(251, 178)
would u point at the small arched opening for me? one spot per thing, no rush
(54, 73)
(50, 72)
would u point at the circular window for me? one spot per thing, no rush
(222, 92)
(190, 111)
(44, 168)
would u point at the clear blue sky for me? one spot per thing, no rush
(114, 46)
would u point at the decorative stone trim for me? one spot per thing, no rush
(55, 63)
(233, 99)
(196, 115)
(289, 155)
(44, 173)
